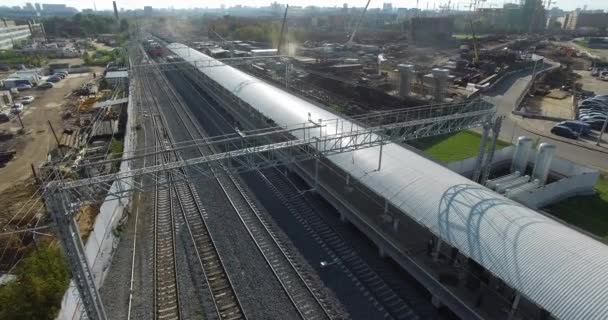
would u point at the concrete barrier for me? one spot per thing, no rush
(467, 167)
(559, 190)
(102, 242)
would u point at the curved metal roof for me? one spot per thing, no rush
(557, 267)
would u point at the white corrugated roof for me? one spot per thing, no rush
(557, 267)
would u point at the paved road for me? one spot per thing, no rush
(505, 95)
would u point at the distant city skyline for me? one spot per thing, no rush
(185, 4)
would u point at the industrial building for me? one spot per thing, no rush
(551, 269)
(431, 29)
(576, 20)
(11, 34)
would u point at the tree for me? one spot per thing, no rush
(124, 25)
(42, 278)
(86, 57)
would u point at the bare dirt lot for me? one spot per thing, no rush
(557, 106)
(592, 83)
(34, 144)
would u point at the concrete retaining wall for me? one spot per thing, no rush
(103, 241)
(581, 184)
(467, 166)
(574, 179)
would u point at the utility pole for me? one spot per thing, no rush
(488, 161)
(20, 122)
(59, 208)
(599, 137)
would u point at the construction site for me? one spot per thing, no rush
(362, 170)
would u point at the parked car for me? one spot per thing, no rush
(22, 87)
(59, 75)
(604, 75)
(594, 117)
(17, 108)
(593, 102)
(591, 112)
(596, 124)
(53, 79)
(26, 99)
(4, 117)
(46, 85)
(564, 132)
(579, 127)
(63, 73)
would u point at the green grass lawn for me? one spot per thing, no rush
(452, 147)
(589, 213)
(582, 43)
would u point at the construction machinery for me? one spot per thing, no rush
(281, 35)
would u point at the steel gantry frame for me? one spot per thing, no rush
(241, 152)
(258, 149)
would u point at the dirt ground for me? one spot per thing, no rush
(33, 146)
(558, 106)
(592, 83)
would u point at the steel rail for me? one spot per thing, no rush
(166, 285)
(226, 302)
(272, 249)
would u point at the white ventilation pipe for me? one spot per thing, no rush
(406, 76)
(530, 186)
(521, 155)
(503, 187)
(542, 164)
(492, 183)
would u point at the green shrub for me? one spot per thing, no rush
(42, 278)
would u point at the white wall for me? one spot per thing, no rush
(581, 184)
(102, 241)
(575, 179)
(467, 166)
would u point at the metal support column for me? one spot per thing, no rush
(67, 230)
(287, 70)
(316, 173)
(488, 161)
(437, 249)
(380, 153)
(514, 306)
(482, 151)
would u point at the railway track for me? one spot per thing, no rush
(307, 296)
(382, 296)
(386, 300)
(297, 283)
(166, 287)
(187, 202)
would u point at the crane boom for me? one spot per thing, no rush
(352, 35)
(282, 30)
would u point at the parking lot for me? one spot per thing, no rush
(33, 145)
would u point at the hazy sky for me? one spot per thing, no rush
(133, 4)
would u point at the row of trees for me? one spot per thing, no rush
(83, 25)
(11, 58)
(262, 31)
